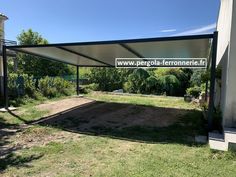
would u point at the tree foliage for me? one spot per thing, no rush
(37, 66)
(194, 91)
(170, 84)
(198, 76)
(55, 87)
(108, 79)
(169, 81)
(154, 85)
(180, 81)
(136, 82)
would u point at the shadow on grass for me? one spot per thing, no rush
(8, 156)
(17, 116)
(17, 160)
(131, 122)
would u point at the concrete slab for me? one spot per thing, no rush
(9, 109)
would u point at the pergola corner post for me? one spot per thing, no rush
(77, 80)
(5, 79)
(212, 80)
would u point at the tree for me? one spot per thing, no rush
(196, 78)
(108, 79)
(37, 66)
(182, 75)
(171, 84)
(137, 81)
(154, 85)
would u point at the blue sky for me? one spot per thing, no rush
(95, 20)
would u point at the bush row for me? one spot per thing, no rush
(172, 82)
(25, 85)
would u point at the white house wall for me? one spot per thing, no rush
(224, 28)
(229, 111)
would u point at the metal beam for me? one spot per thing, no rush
(85, 56)
(173, 38)
(77, 80)
(212, 81)
(207, 68)
(131, 50)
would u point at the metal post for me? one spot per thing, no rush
(77, 80)
(5, 82)
(212, 80)
(206, 84)
(206, 91)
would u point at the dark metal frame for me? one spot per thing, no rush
(122, 43)
(85, 56)
(174, 38)
(131, 50)
(77, 80)
(212, 80)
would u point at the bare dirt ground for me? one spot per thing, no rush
(110, 115)
(85, 116)
(22, 136)
(55, 107)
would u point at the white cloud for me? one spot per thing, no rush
(168, 30)
(197, 30)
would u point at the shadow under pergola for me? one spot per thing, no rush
(130, 122)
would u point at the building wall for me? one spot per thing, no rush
(229, 111)
(224, 28)
(224, 65)
(224, 32)
(226, 59)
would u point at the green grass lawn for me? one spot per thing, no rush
(51, 151)
(159, 101)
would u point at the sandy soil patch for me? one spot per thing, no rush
(55, 107)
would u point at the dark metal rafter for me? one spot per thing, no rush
(125, 46)
(82, 55)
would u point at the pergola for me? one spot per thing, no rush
(104, 53)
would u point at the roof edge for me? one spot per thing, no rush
(172, 38)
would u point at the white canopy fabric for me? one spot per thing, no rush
(104, 53)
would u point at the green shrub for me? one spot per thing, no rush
(21, 85)
(169, 84)
(12, 85)
(54, 87)
(29, 86)
(108, 79)
(182, 75)
(137, 81)
(197, 77)
(153, 85)
(140, 81)
(90, 87)
(194, 91)
(128, 87)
